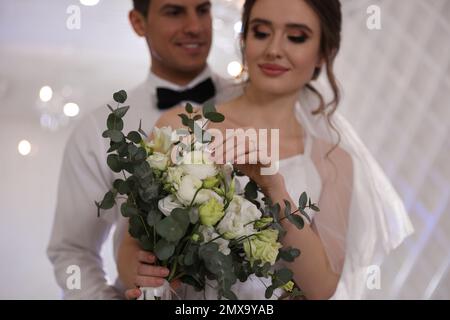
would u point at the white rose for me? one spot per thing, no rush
(188, 187)
(209, 233)
(167, 204)
(158, 161)
(238, 215)
(198, 164)
(162, 139)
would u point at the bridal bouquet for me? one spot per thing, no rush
(187, 210)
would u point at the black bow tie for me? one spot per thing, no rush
(202, 92)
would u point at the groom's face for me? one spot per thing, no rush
(179, 34)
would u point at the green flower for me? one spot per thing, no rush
(211, 212)
(263, 222)
(263, 246)
(289, 286)
(195, 237)
(210, 182)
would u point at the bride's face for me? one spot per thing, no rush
(282, 46)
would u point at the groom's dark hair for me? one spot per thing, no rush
(141, 6)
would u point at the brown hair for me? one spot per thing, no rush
(141, 6)
(330, 15)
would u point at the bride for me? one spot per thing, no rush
(286, 44)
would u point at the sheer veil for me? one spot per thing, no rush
(357, 236)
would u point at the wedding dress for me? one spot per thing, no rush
(356, 237)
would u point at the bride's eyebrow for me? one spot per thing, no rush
(260, 21)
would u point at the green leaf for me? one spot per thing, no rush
(184, 119)
(143, 170)
(191, 255)
(208, 107)
(120, 96)
(136, 227)
(287, 208)
(114, 163)
(296, 220)
(108, 201)
(114, 123)
(113, 146)
(164, 249)
(215, 116)
(110, 108)
(251, 190)
(230, 295)
(197, 117)
(314, 207)
(132, 150)
(289, 254)
(114, 135)
(134, 136)
(269, 292)
(303, 200)
(121, 112)
(283, 275)
(153, 217)
(189, 108)
(128, 210)
(146, 243)
(151, 192)
(140, 155)
(173, 227)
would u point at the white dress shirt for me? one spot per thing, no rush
(78, 234)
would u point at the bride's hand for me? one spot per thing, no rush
(249, 159)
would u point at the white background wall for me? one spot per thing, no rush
(397, 92)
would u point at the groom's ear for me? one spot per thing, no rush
(138, 22)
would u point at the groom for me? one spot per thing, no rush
(178, 34)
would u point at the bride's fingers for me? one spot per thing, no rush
(151, 270)
(146, 281)
(132, 294)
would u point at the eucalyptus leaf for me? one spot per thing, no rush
(134, 136)
(128, 210)
(303, 200)
(173, 227)
(208, 107)
(153, 217)
(113, 162)
(269, 292)
(164, 249)
(108, 201)
(114, 135)
(215, 117)
(189, 108)
(251, 190)
(146, 243)
(120, 112)
(120, 96)
(114, 123)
